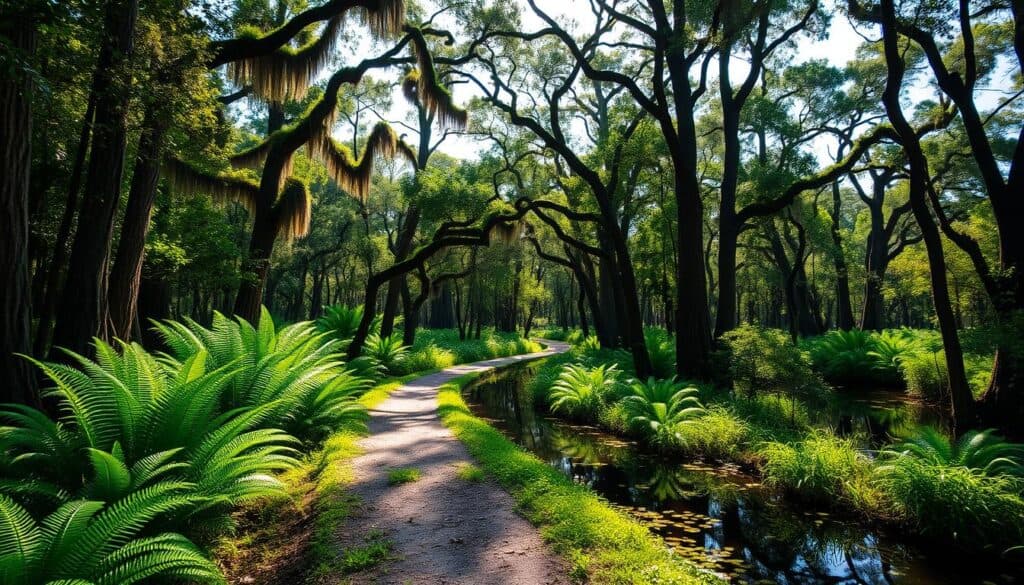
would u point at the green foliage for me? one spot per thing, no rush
(194, 432)
(766, 359)
(579, 391)
(822, 468)
(402, 475)
(716, 433)
(981, 451)
(471, 473)
(341, 322)
(441, 348)
(660, 408)
(942, 501)
(376, 550)
(662, 352)
(862, 357)
(89, 542)
(294, 376)
(387, 351)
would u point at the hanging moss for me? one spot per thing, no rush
(430, 92)
(294, 210)
(222, 187)
(353, 174)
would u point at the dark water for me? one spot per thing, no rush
(716, 515)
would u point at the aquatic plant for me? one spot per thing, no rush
(579, 391)
(716, 433)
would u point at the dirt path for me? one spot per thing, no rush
(443, 529)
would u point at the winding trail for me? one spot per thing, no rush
(444, 529)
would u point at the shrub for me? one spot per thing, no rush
(843, 356)
(428, 357)
(579, 391)
(821, 467)
(662, 352)
(341, 322)
(660, 407)
(766, 359)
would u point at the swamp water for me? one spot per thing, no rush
(716, 515)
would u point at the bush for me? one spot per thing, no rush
(766, 359)
(428, 357)
(658, 408)
(662, 352)
(863, 357)
(822, 468)
(445, 342)
(195, 431)
(580, 392)
(981, 451)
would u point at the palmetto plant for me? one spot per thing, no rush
(294, 375)
(662, 352)
(660, 407)
(341, 322)
(843, 356)
(982, 451)
(128, 418)
(388, 351)
(580, 391)
(87, 541)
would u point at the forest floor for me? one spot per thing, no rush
(430, 523)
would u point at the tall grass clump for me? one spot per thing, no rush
(435, 348)
(926, 376)
(716, 433)
(821, 468)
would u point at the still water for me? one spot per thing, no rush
(720, 517)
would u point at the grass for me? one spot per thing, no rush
(471, 473)
(602, 545)
(401, 475)
(376, 550)
(442, 348)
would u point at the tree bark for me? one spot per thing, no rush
(82, 310)
(19, 385)
(126, 274)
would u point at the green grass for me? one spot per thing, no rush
(401, 475)
(471, 473)
(442, 348)
(601, 544)
(376, 550)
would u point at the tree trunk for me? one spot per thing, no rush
(83, 306)
(125, 276)
(693, 326)
(844, 308)
(19, 385)
(250, 291)
(962, 401)
(60, 249)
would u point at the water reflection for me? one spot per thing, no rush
(715, 515)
